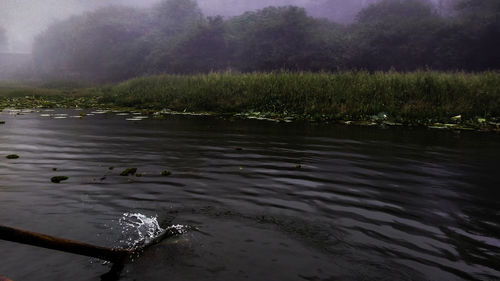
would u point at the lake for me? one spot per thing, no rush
(267, 201)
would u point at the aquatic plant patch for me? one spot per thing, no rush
(128, 172)
(58, 179)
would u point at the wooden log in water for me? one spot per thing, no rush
(64, 245)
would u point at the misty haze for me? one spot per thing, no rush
(249, 140)
(24, 19)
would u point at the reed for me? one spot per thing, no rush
(408, 97)
(423, 97)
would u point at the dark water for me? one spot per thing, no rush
(366, 203)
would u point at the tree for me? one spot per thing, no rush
(391, 11)
(173, 17)
(102, 45)
(471, 40)
(204, 49)
(478, 8)
(337, 10)
(172, 21)
(116, 43)
(397, 34)
(274, 38)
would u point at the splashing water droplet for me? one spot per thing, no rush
(178, 229)
(139, 229)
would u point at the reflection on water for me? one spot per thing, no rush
(269, 201)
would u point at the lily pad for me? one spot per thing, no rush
(58, 179)
(129, 171)
(12, 156)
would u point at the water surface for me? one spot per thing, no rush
(270, 201)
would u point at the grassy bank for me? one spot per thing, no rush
(409, 98)
(47, 95)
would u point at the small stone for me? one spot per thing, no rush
(12, 156)
(54, 169)
(298, 166)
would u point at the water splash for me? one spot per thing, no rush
(139, 229)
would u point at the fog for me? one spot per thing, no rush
(24, 19)
(115, 40)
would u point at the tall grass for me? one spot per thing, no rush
(416, 96)
(15, 89)
(34, 95)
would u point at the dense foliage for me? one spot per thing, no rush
(117, 43)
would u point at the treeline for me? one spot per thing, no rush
(116, 43)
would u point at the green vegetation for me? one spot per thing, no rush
(277, 63)
(420, 97)
(128, 172)
(391, 98)
(49, 95)
(58, 179)
(118, 43)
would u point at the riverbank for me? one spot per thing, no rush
(441, 100)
